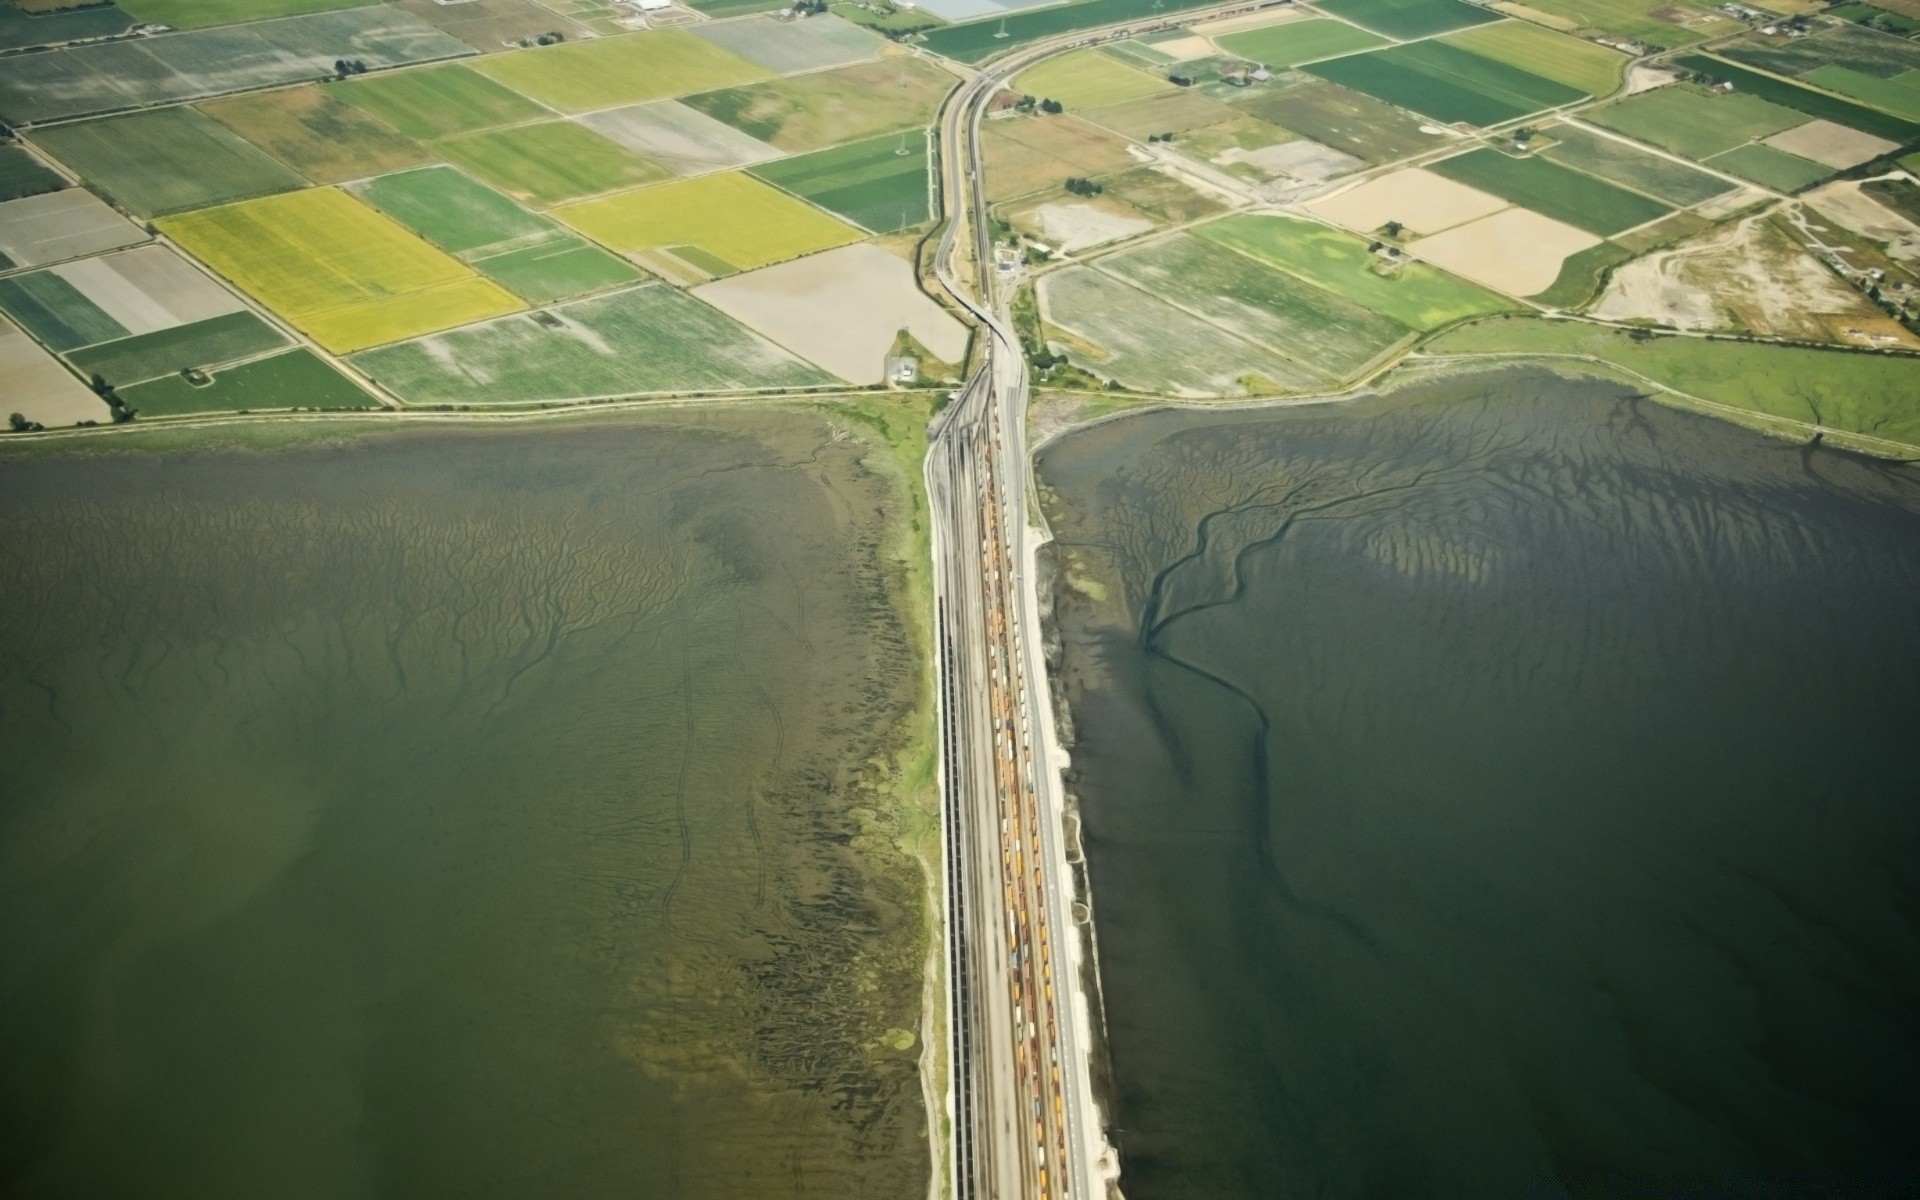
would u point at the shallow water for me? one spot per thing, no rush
(478, 814)
(1503, 788)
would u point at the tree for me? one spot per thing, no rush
(1393, 228)
(1050, 105)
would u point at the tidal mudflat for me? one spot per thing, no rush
(1500, 787)
(462, 814)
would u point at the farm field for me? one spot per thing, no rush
(1583, 66)
(734, 218)
(1556, 191)
(871, 295)
(316, 134)
(1409, 18)
(879, 184)
(1416, 295)
(685, 141)
(207, 343)
(39, 388)
(1268, 307)
(784, 47)
(1848, 48)
(1031, 153)
(20, 29)
(21, 174)
(647, 339)
(550, 162)
(192, 14)
(608, 72)
(1293, 42)
(297, 379)
(1692, 123)
(167, 160)
(1446, 83)
(1899, 94)
(1865, 393)
(1348, 121)
(1637, 19)
(335, 268)
(1415, 197)
(437, 102)
(1087, 79)
(1178, 111)
(535, 258)
(1149, 345)
(977, 41)
(492, 25)
(1770, 168)
(1831, 145)
(1621, 163)
(1806, 100)
(59, 225)
(1516, 250)
(143, 290)
(811, 112)
(109, 76)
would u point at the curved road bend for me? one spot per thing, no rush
(1021, 1100)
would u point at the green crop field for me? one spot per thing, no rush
(1620, 162)
(1150, 345)
(1293, 42)
(21, 174)
(1347, 120)
(643, 340)
(1178, 111)
(296, 379)
(977, 41)
(1268, 307)
(1087, 79)
(166, 160)
(1636, 19)
(1806, 100)
(550, 162)
(1838, 389)
(345, 274)
(491, 25)
(880, 184)
(1583, 66)
(1770, 168)
(1415, 295)
(1848, 46)
(1899, 94)
(1548, 188)
(1692, 123)
(608, 72)
(437, 102)
(1446, 83)
(738, 220)
(1409, 18)
(191, 14)
(811, 112)
(55, 311)
(537, 259)
(207, 343)
(311, 130)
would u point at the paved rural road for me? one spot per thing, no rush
(1021, 1099)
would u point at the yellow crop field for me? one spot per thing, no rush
(343, 273)
(731, 217)
(1593, 69)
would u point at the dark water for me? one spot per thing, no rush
(477, 815)
(1503, 789)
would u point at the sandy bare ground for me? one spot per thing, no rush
(1843, 203)
(1303, 160)
(1743, 276)
(1645, 79)
(1072, 227)
(1729, 202)
(1186, 49)
(839, 310)
(1831, 145)
(1256, 21)
(1516, 251)
(149, 289)
(39, 388)
(1417, 198)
